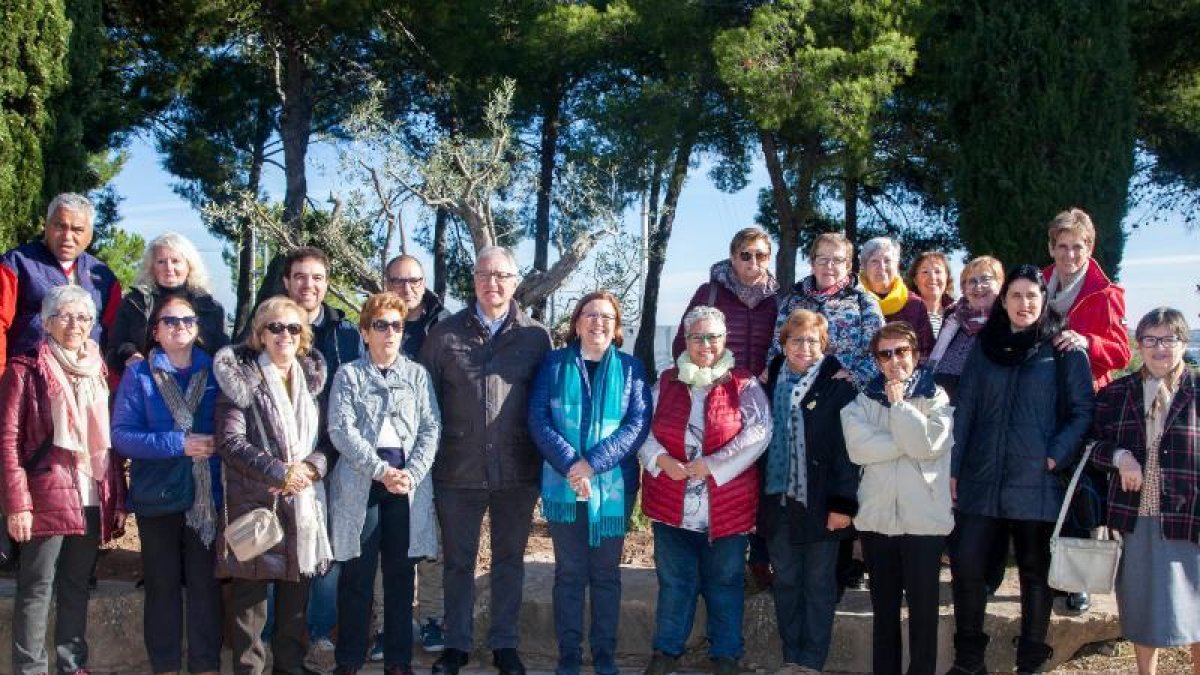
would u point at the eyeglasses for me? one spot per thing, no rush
(277, 328)
(802, 341)
(827, 261)
(889, 354)
(177, 321)
(405, 281)
(597, 316)
(1168, 341)
(498, 277)
(747, 256)
(67, 319)
(703, 338)
(382, 326)
(985, 280)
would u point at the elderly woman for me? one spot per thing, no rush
(744, 289)
(1093, 306)
(266, 433)
(1021, 414)
(711, 422)
(170, 266)
(1146, 433)
(831, 291)
(898, 430)
(880, 274)
(589, 412)
(980, 279)
(163, 422)
(930, 275)
(810, 488)
(384, 421)
(61, 488)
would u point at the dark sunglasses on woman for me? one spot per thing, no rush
(177, 321)
(277, 328)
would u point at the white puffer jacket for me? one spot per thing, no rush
(904, 450)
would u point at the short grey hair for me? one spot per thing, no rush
(700, 313)
(1164, 316)
(72, 202)
(197, 278)
(65, 295)
(879, 245)
(490, 251)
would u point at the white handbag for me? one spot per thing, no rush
(1079, 565)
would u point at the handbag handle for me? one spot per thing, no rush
(1066, 505)
(262, 432)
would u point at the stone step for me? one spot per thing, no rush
(115, 627)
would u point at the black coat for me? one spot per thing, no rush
(1008, 421)
(130, 330)
(832, 477)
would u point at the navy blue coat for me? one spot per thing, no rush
(1008, 421)
(619, 448)
(143, 430)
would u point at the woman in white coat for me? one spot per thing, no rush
(899, 430)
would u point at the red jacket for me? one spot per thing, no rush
(50, 489)
(1099, 315)
(732, 507)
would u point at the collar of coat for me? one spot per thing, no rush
(1094, 280)
(238, 374)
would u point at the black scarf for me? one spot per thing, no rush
(1004, 347)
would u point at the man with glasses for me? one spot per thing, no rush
(59, 258)
(482, 362)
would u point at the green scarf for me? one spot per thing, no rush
(606, 409)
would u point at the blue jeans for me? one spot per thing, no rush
(579, 568)
(322, 603)
(384, 540)
(805, 591)
(689, 565)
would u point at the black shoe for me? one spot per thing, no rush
(725, 665)
(507, 661)
(1079, 602)
(960, 670)
(398, 670)
(662, 664)
(450, 662)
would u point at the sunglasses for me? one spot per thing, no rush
(747, 256)
(177, 321)
(382, 326)
(888, 354)
(277, 328)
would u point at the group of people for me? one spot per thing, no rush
(792, 422)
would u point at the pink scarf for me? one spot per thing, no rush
(78, 393)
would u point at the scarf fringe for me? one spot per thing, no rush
(605, 527)
(559, 512)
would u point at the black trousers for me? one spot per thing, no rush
(903, 568)
(172, 553)
(969, 564)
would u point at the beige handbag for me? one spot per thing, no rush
(1079, 565)
(256, 532)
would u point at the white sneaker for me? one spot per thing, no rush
(320, 657)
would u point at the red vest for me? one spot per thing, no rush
(731, 507)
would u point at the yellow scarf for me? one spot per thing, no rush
(896, 298)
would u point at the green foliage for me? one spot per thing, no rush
(33, 47)
(122, 252)
(1040, 108)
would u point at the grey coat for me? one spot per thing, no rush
(360, 398)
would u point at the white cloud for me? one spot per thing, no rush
(1162, 260)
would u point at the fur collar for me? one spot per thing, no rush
(238, 375)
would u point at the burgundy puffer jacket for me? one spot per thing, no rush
(748, 329)
(49, 489)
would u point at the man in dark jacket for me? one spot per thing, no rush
(306, 279)
(405, 277)
(482, 362)
(29, 271)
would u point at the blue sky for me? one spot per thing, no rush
(1161, 264)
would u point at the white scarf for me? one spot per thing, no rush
(1062, 297)
(80, 414)
(695, 376)
(298, 416)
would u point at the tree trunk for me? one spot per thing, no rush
(245, 280)
(660, 236)
(295, 126)
(548, 154)
(850, 199)
(785, 259)
(440, 219)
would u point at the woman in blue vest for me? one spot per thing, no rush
(163, 422)
(589, 412)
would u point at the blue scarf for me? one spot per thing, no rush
(605, 411)
(920, 385)
(783, 436)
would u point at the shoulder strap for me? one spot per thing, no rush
(39, 454)
(1066, 503)
(712, 293)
